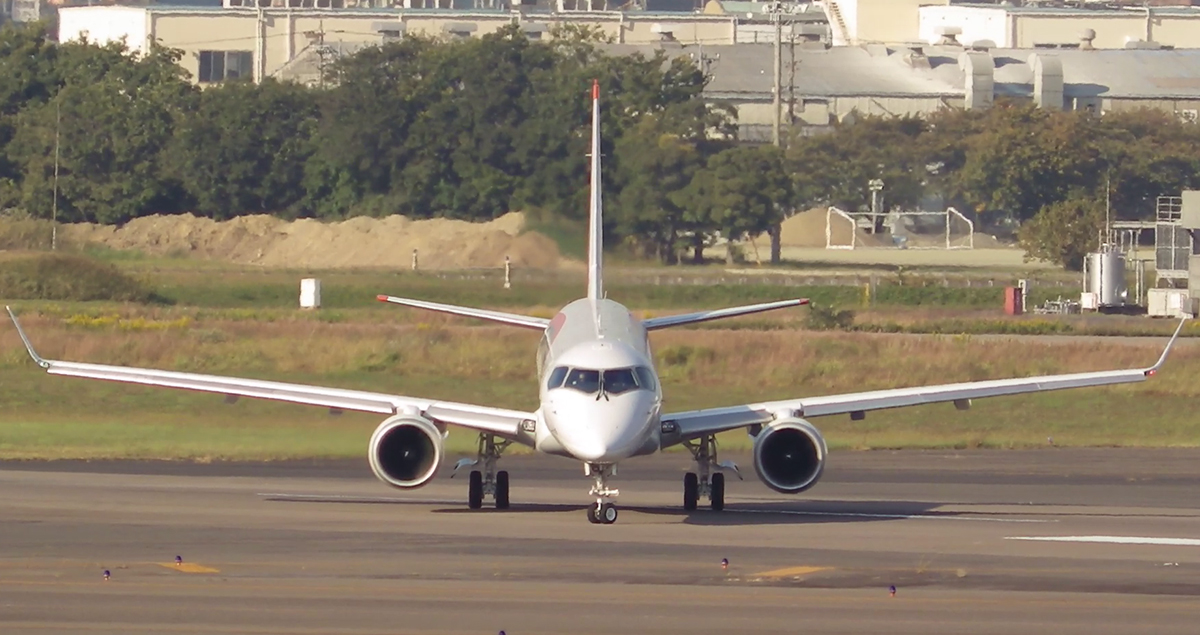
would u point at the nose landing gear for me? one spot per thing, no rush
(604, 512)
(710, 481)
(487, 482)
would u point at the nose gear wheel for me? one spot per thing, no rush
(603, 512)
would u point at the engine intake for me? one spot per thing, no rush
(405, 451)
(789, 455)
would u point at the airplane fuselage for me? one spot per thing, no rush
(600, 395)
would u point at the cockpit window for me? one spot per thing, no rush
(613, 381)
(583, 380)
(645, 378)
(556, 377)
(619, 380)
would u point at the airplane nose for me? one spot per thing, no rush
(612, 434)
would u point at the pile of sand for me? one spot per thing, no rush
(311, 244)
(807, 229)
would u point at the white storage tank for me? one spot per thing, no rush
(1105, 276)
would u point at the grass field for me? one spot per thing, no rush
(374, 349)
(239, 320)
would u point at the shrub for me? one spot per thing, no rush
(70, 278)
(18, 232)
(826, 318)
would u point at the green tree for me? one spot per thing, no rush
(1064, 232)
(244, 148)
(114, 115)
(838, 167)
(742, 192)
(1027, 158)
(657, 161)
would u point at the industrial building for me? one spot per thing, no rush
(1111, 25)
(822, 83)
(270, 38)
(830, 84)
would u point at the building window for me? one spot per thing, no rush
(218, 66)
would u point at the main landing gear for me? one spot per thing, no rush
(487, 482)
(710, 481)
(604, 512)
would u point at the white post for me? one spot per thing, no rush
(310, 293)
(507, 273)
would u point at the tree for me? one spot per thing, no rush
(1064, 232)
(1026, 159)
(742, 192)
(657, 161)
(230, 168)
(836, 168)
(115, 115)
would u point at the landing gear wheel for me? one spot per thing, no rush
(608, 513)
(591, 514)
(475, 490)
(717, 492)
(691, 491)
(502, 489)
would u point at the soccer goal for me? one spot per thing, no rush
(948, 229)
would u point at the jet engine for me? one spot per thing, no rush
(405, 451)
(789, 455)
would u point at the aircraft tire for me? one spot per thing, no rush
(608, 514)
(502, 489)
(592, 516)
(475, 490)
(691, 491)
(717, 489)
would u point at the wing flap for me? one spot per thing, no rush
(698, 423)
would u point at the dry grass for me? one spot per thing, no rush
(67, 418)
(755, 361)
(58, 418)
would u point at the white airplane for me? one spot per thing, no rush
(600, 400)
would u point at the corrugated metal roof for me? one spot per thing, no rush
(744, 71)
(1127, 74)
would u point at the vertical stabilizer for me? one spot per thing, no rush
(595, 220)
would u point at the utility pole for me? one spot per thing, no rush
(54, 206)
(776, 230)
(776, 137)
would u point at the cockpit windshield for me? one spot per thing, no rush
(619, 380)
(583, 380)
(614, 381)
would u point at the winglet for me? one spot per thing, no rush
(25, 338)
(1163, 359)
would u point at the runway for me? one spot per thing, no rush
(1062, 541)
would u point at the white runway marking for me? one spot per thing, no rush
(795, 512)
(1119, 540)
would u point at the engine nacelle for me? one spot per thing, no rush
(405, 451)
(789, 455)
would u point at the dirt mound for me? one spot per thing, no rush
(311, 244)
(807, 229)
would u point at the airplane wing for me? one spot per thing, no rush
(506, 423)
(512, 319)
(704, 316)
(682, 426)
